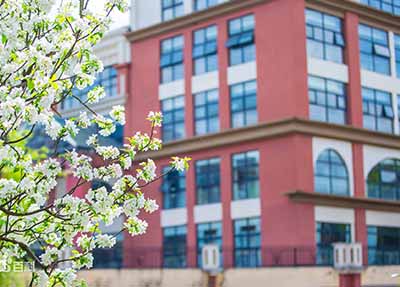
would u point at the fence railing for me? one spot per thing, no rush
(240, 258)
(156, 257)
(383, 256)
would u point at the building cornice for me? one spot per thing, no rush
(343, 201)
(274, 129)
(366, 13)
(192, 19)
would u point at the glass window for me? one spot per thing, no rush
(206, 112)
(243, 104)
(205, 57)
(171, 63)
(384, 180)
(97, 183)
(324, 36)
(389, 6)
(174, 247)
(174, 188)
(397, 54)
(330, 174)
(383, 245)
(241, 40)
(245, 175)
(374, 49)
(378, 112)
(398, 108)
(327, 100)
(208, 233)
(247, 242)
(109, 258)
(173, 127)
(171, 9)
(204, 4)
(207, 181)
(326, 235)
(118, 135)
(106, 79)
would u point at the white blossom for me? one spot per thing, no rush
(83, 120)
(118, 114)
(44, 57)
(71, 127)
(49, 256)
(136, 226)
(105, 241)
(95, 95)
(150, 205)
(92, 140)
(107, 152)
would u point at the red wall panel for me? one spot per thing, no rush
(352, 57)
(281, 60)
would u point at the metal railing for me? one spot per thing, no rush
(240, 258)
(108, 258)
(157, 257)
(381, 256)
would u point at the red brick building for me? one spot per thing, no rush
(289, 111)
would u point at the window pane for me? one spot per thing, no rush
(325, 39)
(207, 181)
(327, 100)
(241, 40)
(330, 174)
(247, 242)
(245, 175)
(174, 247)
(374, 49)
(243, 104)
(174, 117)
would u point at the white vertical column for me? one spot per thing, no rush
(132, 15)
(187, 6)
(395, 113)
(393, 76)
(392, 54)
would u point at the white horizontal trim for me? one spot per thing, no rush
(326, 69)
(378, 218)
(380, 82)
(336, 215)
(205, 82)
(245, 208)
(173, 217)
(208, 213)
(172, 89)
(242, 73)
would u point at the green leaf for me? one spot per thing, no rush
(4, 39)
(30, 84)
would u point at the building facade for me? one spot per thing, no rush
(289, 110)
(113, 50)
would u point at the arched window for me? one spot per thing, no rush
(330, 174)
(384, 180)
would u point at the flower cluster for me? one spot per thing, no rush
(43, 56)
